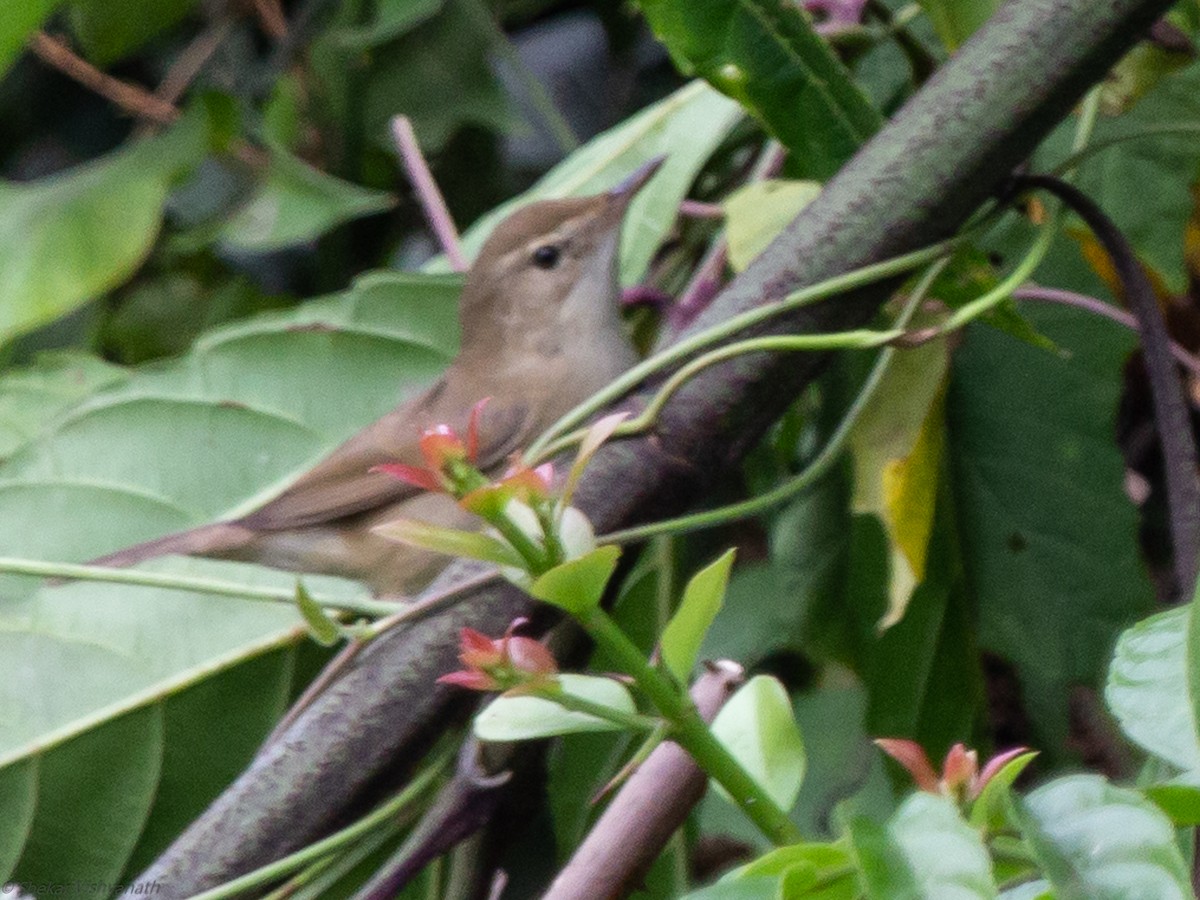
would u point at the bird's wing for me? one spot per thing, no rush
(343, 483)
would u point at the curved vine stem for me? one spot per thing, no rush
(539, 449)
(819, 466)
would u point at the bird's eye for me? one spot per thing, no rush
(546, 256)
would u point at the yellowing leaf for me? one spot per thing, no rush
(756, 213)
(897, 447)
(910, 496)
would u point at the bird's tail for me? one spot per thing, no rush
(220, 539)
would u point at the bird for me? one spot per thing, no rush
(540, 332)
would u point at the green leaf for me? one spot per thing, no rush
(1179, 799)
(926, 850)
(702, 598)
(808, 871)
(1145, 185)
(437, 74)
(767, 57)
(68, 238)
(221, 425)
(759, 888)
(577, 585)
(758, 211)
(17, 22)
(297, 203)
(990, 809)
(521, 718)
(450, 541)
(1019, 456)
(756, 725)
(102, 815)
(1095, 841)
(812, 871)
(1147, 688)
(18, 801)
(31, 398)
(110, 30)
(957, 20)
(686, 126)
(198, 759)
(323, 627)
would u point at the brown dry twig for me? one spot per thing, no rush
(134, 100)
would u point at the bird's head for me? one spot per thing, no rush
(549, 267)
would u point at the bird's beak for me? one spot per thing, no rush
(624, 192)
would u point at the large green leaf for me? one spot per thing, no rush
(68, 238)
(1148, 692)
(30, 398)
(685, 127)
(210, 732)
(767, 56)
(1095, 841)
(927, 849)
(98, 816)
(1048, 536)
(168, 447)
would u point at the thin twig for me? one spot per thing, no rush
(430, 198)
(1099, 308)
(271, 18)
(183, 71)
(134, 100)
(699, 209)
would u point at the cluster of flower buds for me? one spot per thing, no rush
(536, 530)
(510, 663)
(960, 780)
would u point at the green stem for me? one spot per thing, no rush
(1077, 157)
(213, 586)
(537, 451)
(691, 732)
(829, 454)
(627, 721)
(1017, 277)
(317, 851)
